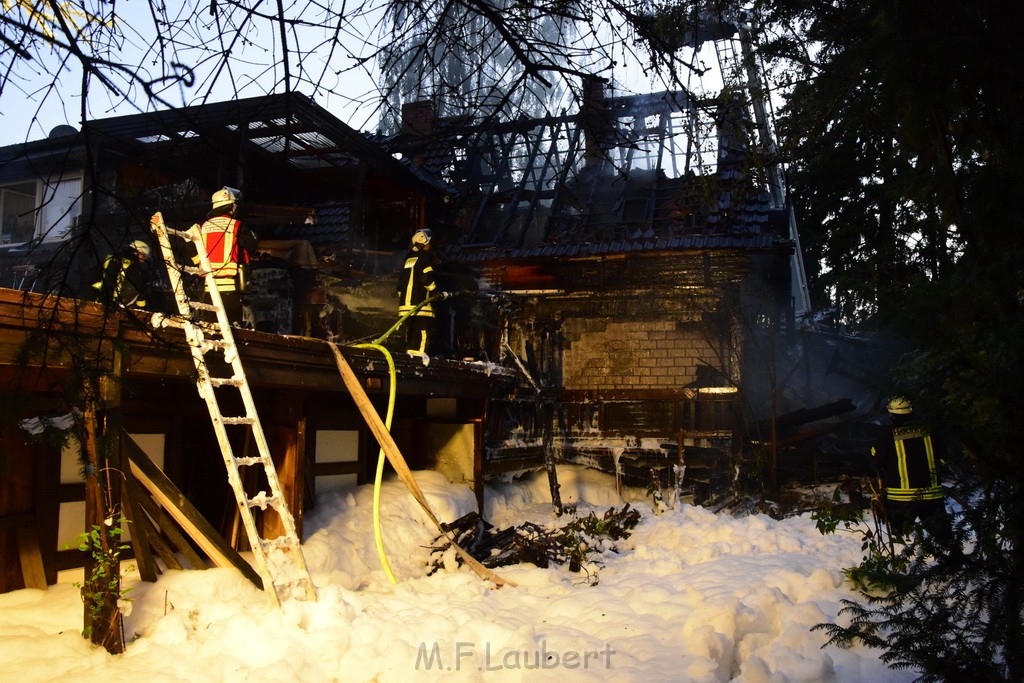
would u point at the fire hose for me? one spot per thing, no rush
(389, 449)
(392, 390)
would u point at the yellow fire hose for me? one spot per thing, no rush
(391, 451)
(381, 456)
(381, 430)
(379, 476)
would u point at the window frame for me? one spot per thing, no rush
(51, 223)
(18, 188)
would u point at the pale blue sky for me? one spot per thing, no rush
(42, 94)
(34, 100)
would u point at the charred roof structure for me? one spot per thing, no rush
(626, 174)
(640, 256)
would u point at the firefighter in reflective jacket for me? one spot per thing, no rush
(908, 465)
(126, 277)
(416, 284)
(229, 246)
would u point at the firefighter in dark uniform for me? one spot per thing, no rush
(416, 284)
(908, 465)
(126, 278)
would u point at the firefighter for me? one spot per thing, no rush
(229, 245)
(907, 463)
(126, 278)
(416, 284)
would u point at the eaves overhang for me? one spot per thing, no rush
(270, 361)
(39, 158)
(289, 127)
(764, 244)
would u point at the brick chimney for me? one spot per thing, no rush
(418, 118)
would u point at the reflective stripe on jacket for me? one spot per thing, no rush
(416, 283)
(908, 465)
(115, 284)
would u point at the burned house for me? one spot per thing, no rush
(640, 266)
(615, 275)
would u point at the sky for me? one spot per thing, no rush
(690, 596)
(45, 91)
(231, 56)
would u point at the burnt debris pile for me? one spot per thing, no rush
(574, 544)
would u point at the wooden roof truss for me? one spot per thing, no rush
(535, 176)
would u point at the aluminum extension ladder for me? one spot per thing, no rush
(279, 561)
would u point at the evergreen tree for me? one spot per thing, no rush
(904, 125)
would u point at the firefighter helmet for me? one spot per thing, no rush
(421, 238)
(224, 196)
(140, 248)
(899, 405)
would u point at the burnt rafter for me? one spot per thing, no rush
(631, 173)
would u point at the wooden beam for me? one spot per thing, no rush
(47, 467)
(166, 525)
(32, 571)
(152, 538)
(8, 522)
(479, 454)
(184, 513)
(324, 469)
(394, 456)
(70, 493)
(137, 538)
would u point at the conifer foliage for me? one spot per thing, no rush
(903, 124)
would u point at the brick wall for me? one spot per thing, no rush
(633, 354)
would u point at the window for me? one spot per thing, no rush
(17, 208)
(39, 210)
(61, 205)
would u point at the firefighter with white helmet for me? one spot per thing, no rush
(126, 278)
(907, 462)
(416, 284)
(229, 246)
(225, 197)
(421, 238)
(140, 248)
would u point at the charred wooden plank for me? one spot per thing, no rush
(166, 525)
(137, 534)
(32, 571)
(805, 415)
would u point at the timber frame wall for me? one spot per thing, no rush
(298, 393)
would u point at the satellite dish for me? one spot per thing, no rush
(63, 130)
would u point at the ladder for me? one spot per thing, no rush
(279, 561)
